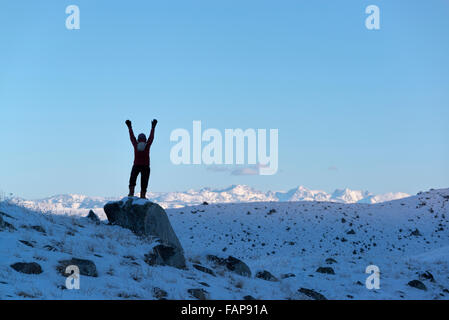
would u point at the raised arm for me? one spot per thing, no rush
(151, 138)
(131, 133)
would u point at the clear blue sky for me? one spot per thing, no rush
(354, 108)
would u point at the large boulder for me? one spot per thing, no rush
(146, 218)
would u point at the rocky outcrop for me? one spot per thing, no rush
(148, 219)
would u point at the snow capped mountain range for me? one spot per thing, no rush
(73, 203)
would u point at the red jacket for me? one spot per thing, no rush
(141, 158)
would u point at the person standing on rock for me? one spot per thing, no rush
(141, 159)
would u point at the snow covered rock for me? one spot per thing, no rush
(163, 255)
(427, 276)
(159, 293)
(200, 294)
(5, 225)
(27, 267)
(232, 264)
(312, 294)
(146, 218)
(93, 217)
(418, 285)
(266, 275)
(327, 270)
(331, 261)
(204, 269)
(86, 267)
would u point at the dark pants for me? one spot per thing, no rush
(144, 177)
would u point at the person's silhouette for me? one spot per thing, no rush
(141, 159)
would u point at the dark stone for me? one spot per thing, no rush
(93, 217)
(5, 225)
(205, 203)
(427, 276)
(27, 267)
(50, 248)
(216, 260)
(416, 233)
(232, 264)
(160, 294)
(351, 231)
(86, 267)
(288, 275)
(204, 269)
(204, 284)
(38, 229)
(238, 266)
(331, 261)
(199, 294)
(312, 294)
(27, 243)
(150, 220)
(418, 285)
(6, 215)
(248, 297)
(266, 275)
(327, 270)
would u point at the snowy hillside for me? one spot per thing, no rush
(319, 246)
(80, 204)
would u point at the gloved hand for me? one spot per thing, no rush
(128, 123)
(154, 123)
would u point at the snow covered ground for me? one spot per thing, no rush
(405, 238)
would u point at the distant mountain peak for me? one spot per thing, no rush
(235, 193)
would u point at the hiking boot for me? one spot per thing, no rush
(143, 195)
(131, 192)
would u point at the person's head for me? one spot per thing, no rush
(142, 138)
